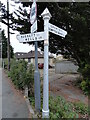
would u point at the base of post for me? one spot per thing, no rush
(45, 114)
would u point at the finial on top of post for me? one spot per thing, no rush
(46, 14)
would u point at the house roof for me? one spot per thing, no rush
(20, 55)
(31, 54)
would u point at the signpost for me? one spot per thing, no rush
(38, 36)
(52, 28)
(31, 37)
(56, 30)
(45, 111)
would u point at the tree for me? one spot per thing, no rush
(4, 46)
(7, 16)
(75, 19)
(75, 22)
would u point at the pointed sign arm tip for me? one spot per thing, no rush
(17, 37)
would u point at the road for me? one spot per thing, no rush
(0, 93)
(13, 102)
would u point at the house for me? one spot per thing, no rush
(59, 57)
(30, 57)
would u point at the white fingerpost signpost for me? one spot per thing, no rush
(45, 111)
(58, 31)
(38, 36)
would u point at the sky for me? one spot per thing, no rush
(18, 47)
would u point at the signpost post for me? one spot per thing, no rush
(33, 16)
(45, 111)
(52, 28)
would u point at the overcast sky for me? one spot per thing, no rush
(18, 47)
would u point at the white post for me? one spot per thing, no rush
(45, 111)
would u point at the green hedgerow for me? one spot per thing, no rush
(20, 74)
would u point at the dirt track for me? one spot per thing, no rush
(62, 84)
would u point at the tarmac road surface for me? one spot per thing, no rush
(13, 102)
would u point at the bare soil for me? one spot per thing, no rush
(63, 85)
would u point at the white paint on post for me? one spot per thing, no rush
(45, 111)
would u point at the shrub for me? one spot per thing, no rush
(85, 83)
(29, 81)
(20, 75)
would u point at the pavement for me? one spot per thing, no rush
(0, 93)
(13, 102)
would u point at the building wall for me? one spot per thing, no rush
(26, 60)
(59, 57)
(65, 67)
(40, 60)
(33, 61)
(51, 61)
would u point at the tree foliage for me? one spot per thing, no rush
(4, 46)
(72, 17)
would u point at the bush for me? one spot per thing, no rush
(20, 75)
(85, 86)
(85, 83)
(29, 81)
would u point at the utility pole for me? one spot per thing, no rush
(8, 41)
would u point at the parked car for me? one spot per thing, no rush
(41, 65)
